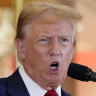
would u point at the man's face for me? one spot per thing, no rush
(47, 52)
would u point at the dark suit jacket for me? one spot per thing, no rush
(14, 86)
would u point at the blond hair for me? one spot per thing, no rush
(36, 9)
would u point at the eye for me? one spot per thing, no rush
(43, 40)
(64, 40)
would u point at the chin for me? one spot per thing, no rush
(54, 86)
(55, 82)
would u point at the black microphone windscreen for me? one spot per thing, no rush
(78, 72)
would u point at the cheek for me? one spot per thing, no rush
(35, 54)
(67, 58)
(68, 53)
(40, 51)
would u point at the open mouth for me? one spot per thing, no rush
(54, 65)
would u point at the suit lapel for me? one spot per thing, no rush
(16, 86)
(63, 93)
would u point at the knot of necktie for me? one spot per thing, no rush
(51, 93)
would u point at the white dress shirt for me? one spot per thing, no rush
(33, 88)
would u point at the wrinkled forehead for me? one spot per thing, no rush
(49, 26)
(46, 19)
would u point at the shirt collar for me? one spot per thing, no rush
(33, 88)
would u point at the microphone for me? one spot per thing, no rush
(81, 72)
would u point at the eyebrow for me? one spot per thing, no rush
(49, 36)
(45, 34)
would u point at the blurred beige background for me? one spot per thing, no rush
(85, 48)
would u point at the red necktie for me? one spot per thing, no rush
(51, 93)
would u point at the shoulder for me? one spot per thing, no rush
(3, 82)
(3, 86)
(64, 93)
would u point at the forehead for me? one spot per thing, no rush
(47, 24)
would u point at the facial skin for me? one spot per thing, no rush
(43, 45)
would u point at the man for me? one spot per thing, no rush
(45, 47)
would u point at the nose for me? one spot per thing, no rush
(55, 49)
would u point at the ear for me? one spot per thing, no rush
(20, 49)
